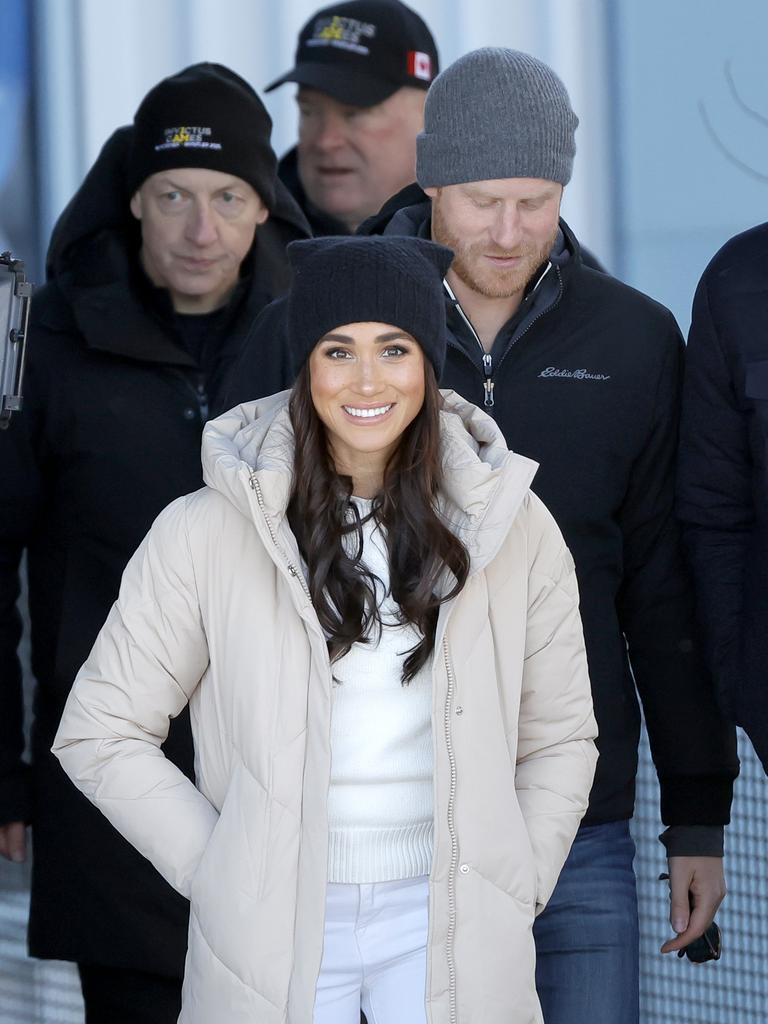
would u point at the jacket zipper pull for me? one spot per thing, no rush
(488, 383)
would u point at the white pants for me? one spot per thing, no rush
(374, 954)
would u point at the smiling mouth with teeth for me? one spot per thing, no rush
(367, 413)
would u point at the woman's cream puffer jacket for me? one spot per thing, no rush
(214, 612)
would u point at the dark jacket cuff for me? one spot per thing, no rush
(705, 800)
(693, 840)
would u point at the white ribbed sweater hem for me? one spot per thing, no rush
(367, 855)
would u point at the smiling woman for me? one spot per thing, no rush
(367, 386)
(376, 626)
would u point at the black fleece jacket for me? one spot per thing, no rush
(585, 379)
(116, 391)
(723, 475)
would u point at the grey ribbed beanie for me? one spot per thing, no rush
(496, 113)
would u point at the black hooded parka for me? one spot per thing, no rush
(117, 389)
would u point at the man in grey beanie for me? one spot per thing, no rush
(496, 114)
(582, 374)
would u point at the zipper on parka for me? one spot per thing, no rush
(256, 488)
(451, 933)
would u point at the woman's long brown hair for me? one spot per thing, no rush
(419, 545)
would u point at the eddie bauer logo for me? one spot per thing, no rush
(552, 371)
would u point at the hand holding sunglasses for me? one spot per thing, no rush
(708, 946)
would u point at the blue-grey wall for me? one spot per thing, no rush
(678, 197)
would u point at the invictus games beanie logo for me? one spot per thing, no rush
(187, 138)
(344, 33)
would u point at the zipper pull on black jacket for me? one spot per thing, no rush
(487, 358)
(488, 384)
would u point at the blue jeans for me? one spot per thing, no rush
(587, 938)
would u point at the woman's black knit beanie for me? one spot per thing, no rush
(382, 278)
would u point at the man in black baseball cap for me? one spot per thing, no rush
(363, 69)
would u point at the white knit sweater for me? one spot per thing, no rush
(380, 799)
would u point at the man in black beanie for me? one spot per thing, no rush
(156, 269)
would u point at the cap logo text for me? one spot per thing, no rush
(186, 137)
(344, 33)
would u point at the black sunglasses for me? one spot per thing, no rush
(708, 946)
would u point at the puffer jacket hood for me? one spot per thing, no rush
(258, 437)
(96, 286)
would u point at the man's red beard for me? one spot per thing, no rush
(477, 273)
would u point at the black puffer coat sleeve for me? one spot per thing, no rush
(715, 493)
(694, 750)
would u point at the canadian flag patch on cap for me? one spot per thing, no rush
(420, 65)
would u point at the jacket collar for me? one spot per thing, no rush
(119, 311)
(110, 312)
(484, 484)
